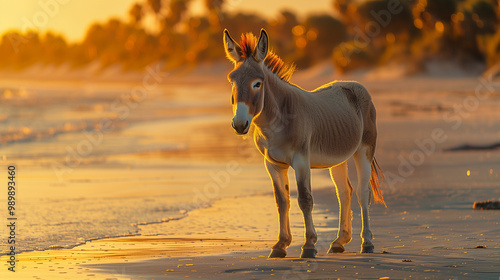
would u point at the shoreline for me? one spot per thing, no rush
(119, 238)
(139, 247)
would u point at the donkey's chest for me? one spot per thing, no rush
(275, 153)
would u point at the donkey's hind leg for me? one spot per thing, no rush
(344, 194)
(363, 192)
(279, 176)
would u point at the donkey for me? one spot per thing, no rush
(304, 129)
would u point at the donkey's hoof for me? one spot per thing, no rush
(277, 253)
(367, 248)
(336, 248)
(308, 253)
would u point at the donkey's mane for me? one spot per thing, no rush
(273, 62)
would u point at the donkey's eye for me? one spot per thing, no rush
(257, 85)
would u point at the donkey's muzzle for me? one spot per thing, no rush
(241, 128)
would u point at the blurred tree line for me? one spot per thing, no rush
(362, 34)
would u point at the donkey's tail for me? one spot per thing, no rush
(377, 192)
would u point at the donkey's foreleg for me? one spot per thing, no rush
(279, 176)
(344, 194)
(363, 167)
(303, 176)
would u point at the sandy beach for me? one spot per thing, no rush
(172, 193)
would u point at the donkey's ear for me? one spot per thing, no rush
(260, 51)
(232, 48)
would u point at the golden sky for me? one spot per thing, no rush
(72, 17)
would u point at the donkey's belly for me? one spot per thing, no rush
(320, 160)
(280, 155)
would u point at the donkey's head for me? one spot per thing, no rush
(247, 79)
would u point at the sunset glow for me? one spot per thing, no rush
(71, 18)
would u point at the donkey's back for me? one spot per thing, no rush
(355, 93)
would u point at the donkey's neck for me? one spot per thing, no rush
(280, 102)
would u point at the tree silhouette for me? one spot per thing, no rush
(323, 33)
(177, 8)
(136, 13)
(215, 12)
(421, 30)
(155, 5)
